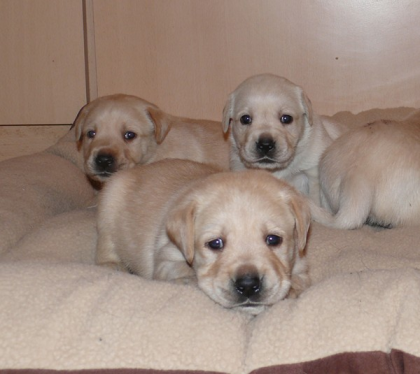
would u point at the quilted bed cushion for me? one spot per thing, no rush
(61, 312)
(365, 299)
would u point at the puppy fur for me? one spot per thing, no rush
(273, 127)
(119, 131)
(372, 175)
(241, 236)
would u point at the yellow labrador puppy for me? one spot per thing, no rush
(273, 127)
(119, 131)
(372, 175)
(241, 235)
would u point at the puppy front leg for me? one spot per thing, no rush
(300, 283)
(300, 181)
(300, 279)
(170, 265)
(314, 186)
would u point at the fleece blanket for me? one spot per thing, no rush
(36, 187)
(61, 312)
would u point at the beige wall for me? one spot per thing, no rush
(42, 71)
(188, 55)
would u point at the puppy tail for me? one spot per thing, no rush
(352, 214)
(320, 214)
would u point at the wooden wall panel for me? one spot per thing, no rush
(188, 55)
(42, 75)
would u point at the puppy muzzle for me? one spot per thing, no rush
(248, 287)
(265, 147)
(105, 164)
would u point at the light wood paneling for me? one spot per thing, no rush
(90, 51)
(188, 55)
(24, 140)
(42, 75)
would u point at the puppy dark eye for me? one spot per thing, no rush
(286, 119)
(216, 244)
(273, 240)
(246, 119)
(91, 134)
(129, 135)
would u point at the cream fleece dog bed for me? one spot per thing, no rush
(61, 312)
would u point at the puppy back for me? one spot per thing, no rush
(143, 194)
(134, 204)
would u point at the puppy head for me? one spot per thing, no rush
(117, 132)
(242, 233)
(268, 116)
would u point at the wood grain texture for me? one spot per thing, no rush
(188, 55)
(90, 51)
(42, 74)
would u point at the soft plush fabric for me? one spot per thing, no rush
(36, 187)
(67, 237)
(61, 312)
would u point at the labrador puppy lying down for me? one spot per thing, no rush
(273, 127)
(241, 236)
(372, 175)
(119, 131)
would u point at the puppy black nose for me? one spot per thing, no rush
(265, 145)
(248, 285)
(104, 161)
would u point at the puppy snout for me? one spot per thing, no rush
(248, 285)
(104, 162)
(265, 145)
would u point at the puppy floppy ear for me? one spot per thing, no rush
(307, 106)
(161, 121)
(228, 113)
(300, 209)
(78, 124)
(180, 229)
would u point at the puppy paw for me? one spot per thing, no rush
(299, 284)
